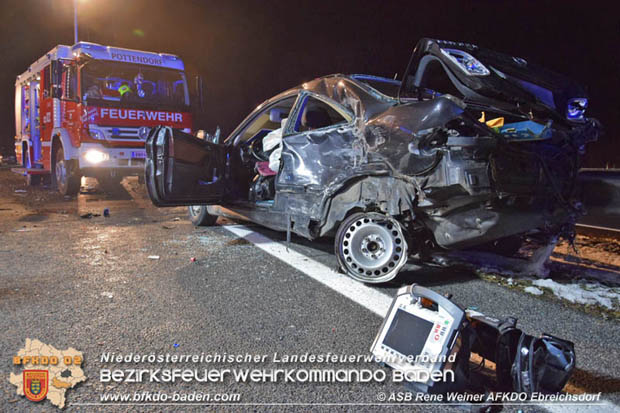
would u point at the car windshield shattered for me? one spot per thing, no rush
(113, 82)
(471, 150)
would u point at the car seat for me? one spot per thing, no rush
(315, 118)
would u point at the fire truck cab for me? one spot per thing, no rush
(86, 110)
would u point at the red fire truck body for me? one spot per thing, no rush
(86, 109)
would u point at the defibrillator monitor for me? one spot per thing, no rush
(418, 334)
(398, 336)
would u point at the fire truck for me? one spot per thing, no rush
(86, 110)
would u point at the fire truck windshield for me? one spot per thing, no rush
(133, 85)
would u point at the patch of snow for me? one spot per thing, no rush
(588, 293)
(533, 290)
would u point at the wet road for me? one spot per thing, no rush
(89, 283)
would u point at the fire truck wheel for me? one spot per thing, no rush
(66, 176)
(33, 180)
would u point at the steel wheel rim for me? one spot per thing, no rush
(373, 248)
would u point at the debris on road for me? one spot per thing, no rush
(153, 257)
(89, 215)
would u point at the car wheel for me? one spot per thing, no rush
(200, 217)
(371, 247)
(66, 176)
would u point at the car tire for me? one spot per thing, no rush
(65, 174)
(370, 247)
(200, 217)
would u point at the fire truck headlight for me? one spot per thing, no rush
(95, 156)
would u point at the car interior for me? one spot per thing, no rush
(315, 114)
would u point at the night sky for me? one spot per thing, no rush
(249, 51)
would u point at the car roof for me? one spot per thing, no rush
(357, 78)
(317, 86)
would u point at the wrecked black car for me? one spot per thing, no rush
(472, 149)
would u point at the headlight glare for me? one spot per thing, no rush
(95, 156)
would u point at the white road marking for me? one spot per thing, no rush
(367, 297)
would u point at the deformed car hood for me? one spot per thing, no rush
(493, 78)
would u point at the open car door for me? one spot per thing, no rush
(184, 170)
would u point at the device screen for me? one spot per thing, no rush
(407, 333)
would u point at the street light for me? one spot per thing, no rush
(75, 21)
(75, 33)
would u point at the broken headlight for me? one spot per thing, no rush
(576, 109)
(466, 62)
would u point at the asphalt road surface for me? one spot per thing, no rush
(89, 283)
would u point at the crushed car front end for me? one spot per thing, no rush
(474, 184)
(486, 164)
(489, 161)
